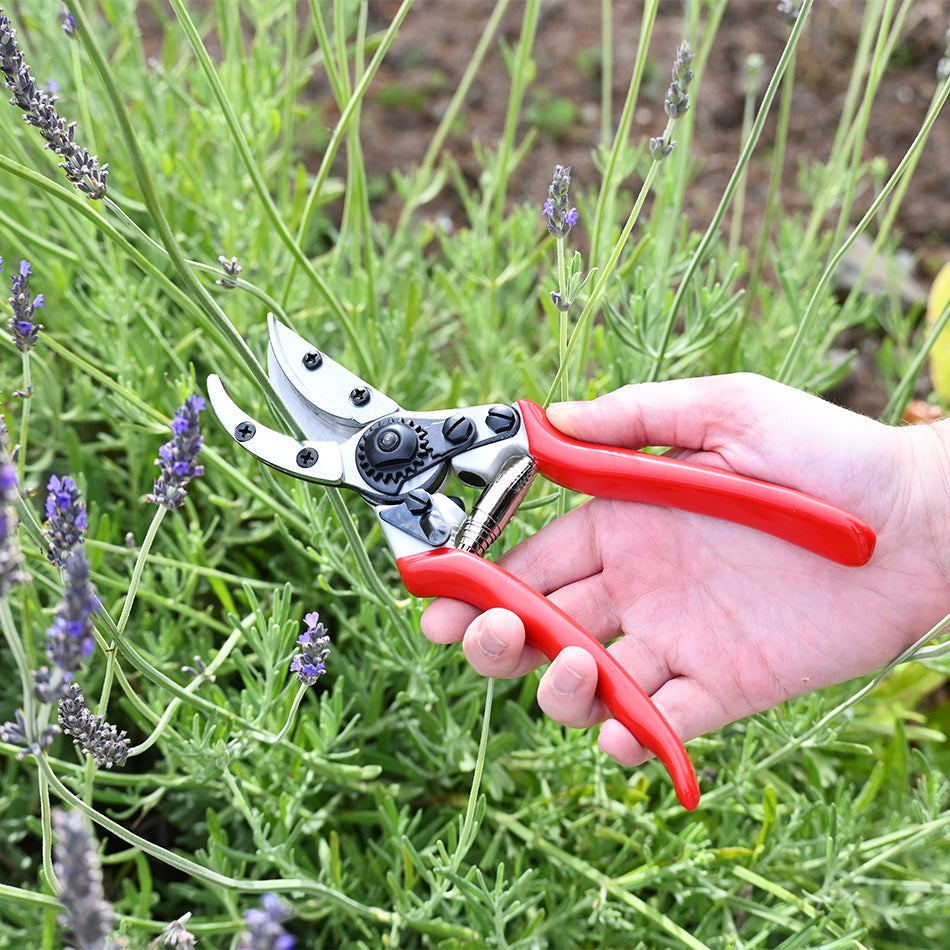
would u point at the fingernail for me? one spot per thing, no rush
(566, 680)
(488, 643)
(562, 407)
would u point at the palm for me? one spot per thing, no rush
(720, 621)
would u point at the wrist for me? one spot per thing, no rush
(926, 460)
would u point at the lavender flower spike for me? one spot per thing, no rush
(310, 663)
(88, 915)
(69, 639)
(177, 457)
(21, 326)
(677, 96)
(265, 929)
(561, 217)
(97, 738)
(39, 107)
(66, 523)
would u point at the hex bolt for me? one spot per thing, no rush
(501, 418)
(359, 396)
(307, 457)
(418, 501)
(458, 429)
(312, 360)
(245, 431)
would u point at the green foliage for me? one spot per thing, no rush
(403, 801)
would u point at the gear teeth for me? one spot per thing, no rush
(392, 476)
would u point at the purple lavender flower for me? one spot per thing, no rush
(96, 737)
(21, 326)
(310, 663)
(39, 107)
(66, 522)
(87, 914)
(177, 457)
(561, 217)
(265, 929)
(10, 556)
(69, 639)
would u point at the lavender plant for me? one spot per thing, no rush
(386, 793)
(39, 110)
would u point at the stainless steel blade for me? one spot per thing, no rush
(327, 400)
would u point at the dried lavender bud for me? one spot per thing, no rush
(20, 733)
(788, 10)
(265, 929)
(69, 639)
(561, 217)
(660, 148)
(66, 523)
(21, 326)
(677, 96)
(231, 269)
(39, 108)
(943, 67)
(176, 935)
(69, 24)
(88, 915)
(177, 457)
(310, 663)
(10, 555)
(96, 737)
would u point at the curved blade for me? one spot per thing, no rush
(326, 399)
(313, 461)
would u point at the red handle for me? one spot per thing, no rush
(627, 475)
(447, 572)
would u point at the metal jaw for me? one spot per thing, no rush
(359, 438)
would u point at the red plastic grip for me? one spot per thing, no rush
(628, 475)
(447, 572)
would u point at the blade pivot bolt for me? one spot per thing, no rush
(245, 432)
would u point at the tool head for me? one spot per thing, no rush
(358, 437)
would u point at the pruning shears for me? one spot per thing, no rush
(399, 461)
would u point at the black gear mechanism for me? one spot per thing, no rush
(391, 451)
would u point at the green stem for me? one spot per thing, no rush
(423, 176)
(562, 314)
(292, 715)
(789, 363)
(23, 435)
(745, 156)
(603, 218)
(219, 320)
(593, 300)
(14, 641)
(467, 833)
(206, 674)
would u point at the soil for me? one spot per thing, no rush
(436, 41)
(437, 38)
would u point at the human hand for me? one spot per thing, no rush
(719, 621)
